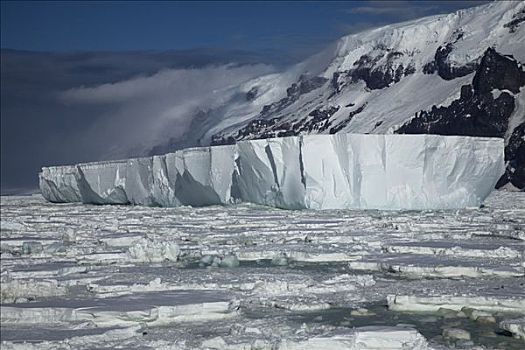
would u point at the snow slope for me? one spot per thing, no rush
(411, 45)
(379, 80)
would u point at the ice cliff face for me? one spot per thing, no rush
(455, 74)
(339, 171)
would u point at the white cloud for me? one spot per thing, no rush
(145, 111)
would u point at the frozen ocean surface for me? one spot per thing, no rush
(77, 276)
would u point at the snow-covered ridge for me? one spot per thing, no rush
(381, 80)
(385, 67)
(316, 172)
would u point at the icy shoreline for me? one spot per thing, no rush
(341, 171)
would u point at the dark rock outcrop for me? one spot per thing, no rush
(516, 21)
(304, 85)
(379, 76)
(498, 72)
(374, 74)
(446, 69)
(345, 122)
(478, 112)
(264, 126)
(252, 94)
(515, 158)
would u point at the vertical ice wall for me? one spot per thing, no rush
(316, 172)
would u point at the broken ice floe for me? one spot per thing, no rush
(515, 326)
(434, 303)
(315, 294)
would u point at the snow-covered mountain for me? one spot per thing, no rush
(455, 74)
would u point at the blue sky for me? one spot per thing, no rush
(300, 27)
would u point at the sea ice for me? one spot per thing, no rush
(371, 338)
(152, 250)
(311, 295)
(515, 326)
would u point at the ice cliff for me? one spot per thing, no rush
(341, 171)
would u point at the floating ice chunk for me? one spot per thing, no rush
(121, 240)
(389, 337)
(477, 315)
(515, 326)
(456, 333)
(97, 338)
(16, 290)
(152, 308)
(32, 248)
(42, 315)
(207, 260)
(214, 343)
(449, 313)
(280, 260)
(69, 237)
(151, 250)
(362, 312)
(301, 306)
(363, 338)
(229, 260)
(342, 171)
(457, 303)
(108, 291)
(442, 248)
(54, 248)
(418, 266)
(11, 226)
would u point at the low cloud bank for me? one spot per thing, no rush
(146, 111)
(69, 108)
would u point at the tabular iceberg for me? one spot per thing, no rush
(341, 171)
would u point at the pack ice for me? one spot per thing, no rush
(341, 171)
